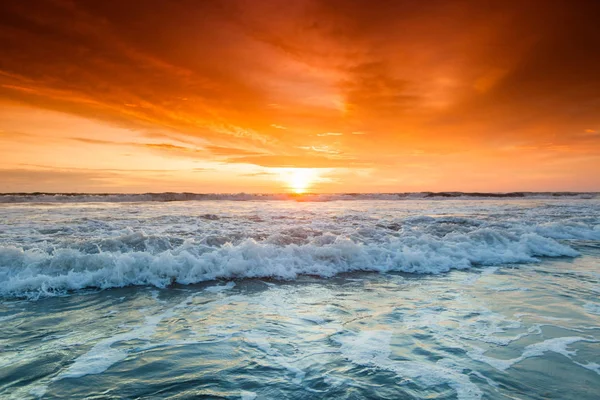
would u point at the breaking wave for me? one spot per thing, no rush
(136, 259)
(46, 251)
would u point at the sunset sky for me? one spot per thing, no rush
(333, 96)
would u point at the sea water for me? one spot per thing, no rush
(371, 298)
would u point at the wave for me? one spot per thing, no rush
(172, 196)
(137, 259)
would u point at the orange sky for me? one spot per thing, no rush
(363, 96)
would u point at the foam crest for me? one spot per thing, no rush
(35, 272)
(569, 230)
(47, 250)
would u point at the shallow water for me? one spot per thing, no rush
(501, 300)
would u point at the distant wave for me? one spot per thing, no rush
(172, 196)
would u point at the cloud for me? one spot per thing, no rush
(260, 174)
(171, 147)
(231, 152)
(304, 161)
(185, 151)
(27, 180)
(421, 78)
(100, 141)
(330, 134)
(48, 168)
(321, 149)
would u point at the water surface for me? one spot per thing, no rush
(409, 299)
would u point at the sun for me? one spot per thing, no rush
(299, 180)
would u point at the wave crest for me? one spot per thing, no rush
(137, 259)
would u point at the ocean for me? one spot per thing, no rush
(391, 296)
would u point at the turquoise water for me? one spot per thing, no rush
(490, 323)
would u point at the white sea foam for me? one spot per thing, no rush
(246, 395)
(508, 289)
(569, 230)
(260, 341)
(38, 391)
(556, 345)
(372, 349)
(592, 366)
(34, 273)
(100, 357)
(592, 308)
(51, 250)
(220, 288)
(103, 355)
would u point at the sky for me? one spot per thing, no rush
(293, 96)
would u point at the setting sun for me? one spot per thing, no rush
(299, 180)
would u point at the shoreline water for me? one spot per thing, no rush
(464, 300)
(455, 335)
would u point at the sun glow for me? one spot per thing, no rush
(299, 180)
